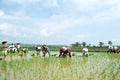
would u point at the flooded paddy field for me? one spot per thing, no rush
(99, 66)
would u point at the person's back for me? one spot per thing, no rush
(38, 47)
(85, 51)
(68, 49)
(64, 49)
(45, 50)
(4, 46)
(115, 48)
(4, 49)
(110, 47)
(12, 48)
(18, 46)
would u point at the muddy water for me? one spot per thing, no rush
(34, 52)
(54, 52)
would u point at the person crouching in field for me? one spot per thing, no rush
(4, 49)
(18, 47)
(65, 51)
(85, 51)
(12, 50)
(45, 50)
(113, 49)
(24, 52)
(110, 49)
(38, 49)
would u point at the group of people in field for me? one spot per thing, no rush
(63, 51)
(12, 49)
(44, 50)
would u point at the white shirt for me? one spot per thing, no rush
(11, 46)
(38, 47)
(64, 48)
(18, 46)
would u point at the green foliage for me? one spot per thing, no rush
(73, 54)
(101, 66)
(109, 42)
(101, 44)
(84, 44)
(76, 44)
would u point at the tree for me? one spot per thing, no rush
(101, 44)
(84, 44)
(89, 45)
(72, 45)
(77, 44)
(110, 43)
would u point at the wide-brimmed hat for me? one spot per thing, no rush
(3, 42)
(18, 43)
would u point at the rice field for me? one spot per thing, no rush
(100, 66)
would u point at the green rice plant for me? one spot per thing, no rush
(100, 66)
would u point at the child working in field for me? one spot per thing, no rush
(4, 49)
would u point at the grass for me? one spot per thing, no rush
(101, 66)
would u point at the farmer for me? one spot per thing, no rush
(115, 49)
(85, 51)
(24, 52)
(38, 49)
(4, 49)
(45, 50)
(64, 51)
(112, 49)
(12, 48)
(18, 47)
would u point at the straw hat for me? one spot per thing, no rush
(18, 43)
(3, 42)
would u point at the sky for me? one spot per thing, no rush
(60, 21)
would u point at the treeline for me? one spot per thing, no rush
(101, 47)
(75, 47)
(85, 44)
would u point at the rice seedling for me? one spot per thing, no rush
(101, 66)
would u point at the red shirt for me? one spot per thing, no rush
(67, 51)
